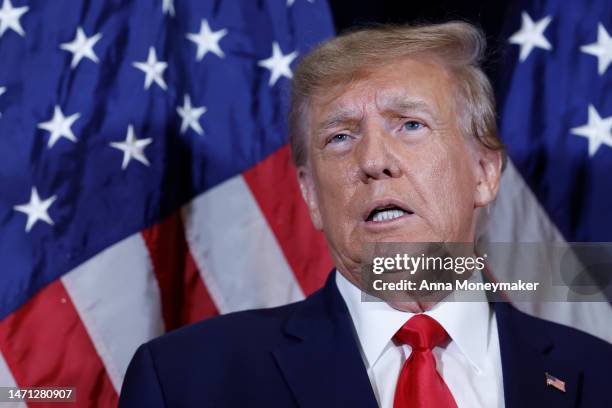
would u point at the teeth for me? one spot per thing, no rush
(386, 215)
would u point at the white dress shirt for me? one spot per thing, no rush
(470, 363)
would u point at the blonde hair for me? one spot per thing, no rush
(459, 46)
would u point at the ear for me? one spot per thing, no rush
(488, 174)
(309, 195)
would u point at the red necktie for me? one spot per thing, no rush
(419, 384)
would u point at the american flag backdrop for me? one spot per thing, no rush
(144, 177)
(555, 110)
(145, 180)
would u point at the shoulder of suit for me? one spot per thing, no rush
(576, 344)
(243, 330)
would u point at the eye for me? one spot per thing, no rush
(337, 138)
(413, 125)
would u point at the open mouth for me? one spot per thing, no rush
(387, 212)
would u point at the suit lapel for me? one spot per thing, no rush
(527, 355)
(323, 366)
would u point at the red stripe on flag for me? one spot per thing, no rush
(184, 298)
(45, 344)
(274, 184)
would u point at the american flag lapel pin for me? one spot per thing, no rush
(552, 381)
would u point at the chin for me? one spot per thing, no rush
(406, 237)
(412, 307)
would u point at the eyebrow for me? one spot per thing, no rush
(398, 103)
(341, 116)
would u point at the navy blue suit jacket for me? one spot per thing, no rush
(305, 354)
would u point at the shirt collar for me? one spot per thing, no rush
(467, 323)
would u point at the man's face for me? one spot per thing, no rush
(387, 162)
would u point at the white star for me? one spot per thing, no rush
(9, 18)
(191, 116)
(2, 90)
(278, 64)
(598, 131)
(59, 126)
(82, 47)
(132, 148)
(36, 210)
(168, 7)
(531, 35)
(602, 49)
(207, 40)
(153, 69)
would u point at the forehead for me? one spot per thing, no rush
(411, 82)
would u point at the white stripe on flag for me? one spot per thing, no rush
(517, 216)
(7, 380)
(117, 297)
(236, 252)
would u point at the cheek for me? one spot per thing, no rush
(458, 189)
(446, 183)
(335, 189)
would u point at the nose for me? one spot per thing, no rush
(376, 158)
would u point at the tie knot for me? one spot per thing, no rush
(421, 332)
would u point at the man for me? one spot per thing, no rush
(394, 136)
